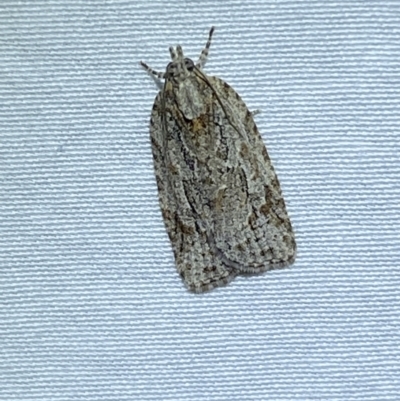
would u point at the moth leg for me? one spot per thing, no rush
(256, 112)
(204, 53)
(157, 76)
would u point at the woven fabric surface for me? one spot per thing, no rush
(91, 305)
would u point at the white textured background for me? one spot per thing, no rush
(91, 305)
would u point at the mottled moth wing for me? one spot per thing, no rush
(266, 230)
(197, 263)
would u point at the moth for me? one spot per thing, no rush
(219, 194)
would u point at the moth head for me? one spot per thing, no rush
(180, 67)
